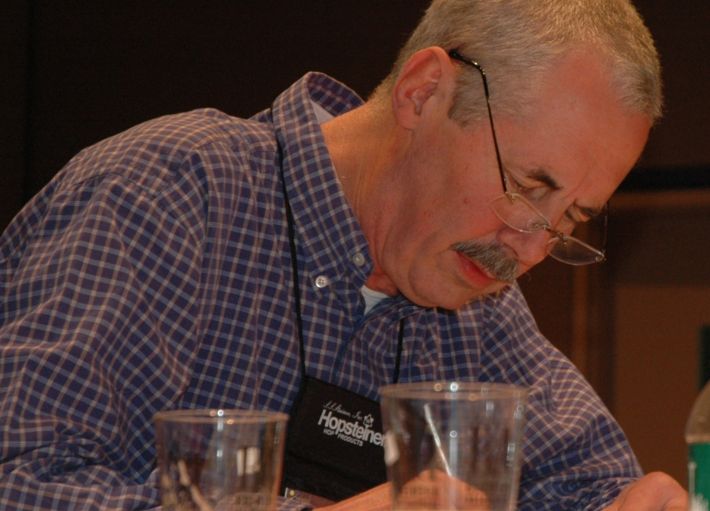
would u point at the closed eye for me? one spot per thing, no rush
(532, 189)
(578, 215)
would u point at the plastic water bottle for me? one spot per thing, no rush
(697, 435)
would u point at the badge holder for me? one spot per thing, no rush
(334, 443)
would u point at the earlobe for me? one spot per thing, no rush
(424, 79)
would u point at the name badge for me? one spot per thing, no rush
(334, 446)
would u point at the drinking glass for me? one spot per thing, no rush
(219, 460)
(453, 445)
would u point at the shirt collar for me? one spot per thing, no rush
(326, 228)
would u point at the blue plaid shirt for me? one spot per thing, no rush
(153, 272)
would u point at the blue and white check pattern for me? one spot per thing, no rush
(153, 273)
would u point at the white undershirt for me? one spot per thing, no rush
(371, 297)
(321, 113)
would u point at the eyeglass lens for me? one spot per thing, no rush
(516, 212)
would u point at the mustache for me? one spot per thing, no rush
(490, 256)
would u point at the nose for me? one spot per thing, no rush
(530, 248)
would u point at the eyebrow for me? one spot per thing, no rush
(542, 176)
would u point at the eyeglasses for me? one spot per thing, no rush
(518, 213)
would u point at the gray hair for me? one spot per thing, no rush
(516, 41)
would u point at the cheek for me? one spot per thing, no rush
(473, 217)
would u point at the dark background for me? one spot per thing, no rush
(81, 70)
(76, 71)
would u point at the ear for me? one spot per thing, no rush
(425, 82)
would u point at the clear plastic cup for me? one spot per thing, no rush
(218, 460)
(453, 445)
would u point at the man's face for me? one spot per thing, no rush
(446, 246)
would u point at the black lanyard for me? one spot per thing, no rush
(334, 444)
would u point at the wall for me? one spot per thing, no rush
(81, 71)
(661, 301)
(14, 133)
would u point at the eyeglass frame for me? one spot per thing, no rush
(556, 236)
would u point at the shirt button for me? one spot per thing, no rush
(322, 281)
(358, 259)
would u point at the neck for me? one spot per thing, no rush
(357, 144)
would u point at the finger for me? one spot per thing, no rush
(654, 492)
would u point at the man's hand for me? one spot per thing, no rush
(654, 492)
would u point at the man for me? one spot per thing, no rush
(202, 261)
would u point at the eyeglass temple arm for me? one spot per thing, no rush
(454, 54)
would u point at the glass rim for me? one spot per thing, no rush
(511, 198)
(453, 390)
(219, 415)
(594, 255)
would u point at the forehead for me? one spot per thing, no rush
(576, 132)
